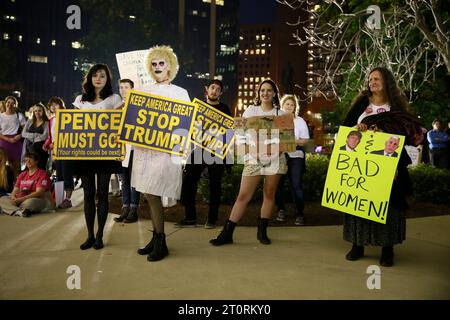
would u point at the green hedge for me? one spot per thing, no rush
(430, 184)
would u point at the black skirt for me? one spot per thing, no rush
(85, 167)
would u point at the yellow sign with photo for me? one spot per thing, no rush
(361, 172)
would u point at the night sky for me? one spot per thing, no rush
(257, 11)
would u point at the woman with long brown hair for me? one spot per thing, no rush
(267, 103)
(35, 133)
(382, 105)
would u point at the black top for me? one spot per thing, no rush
(221, 107)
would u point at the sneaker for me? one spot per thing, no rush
(26, 213)
(209, 225)
(186, 223)
(281, 216)
(67, 203)
(299, 221)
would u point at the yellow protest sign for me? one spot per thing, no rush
(361, 172)
(87, 135)
(157, 123)
(212, 130)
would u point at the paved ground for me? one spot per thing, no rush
(301, 263)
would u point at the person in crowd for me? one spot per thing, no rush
(353, 139)
(447, 131)
(35, 133)
(269, 167)
(296, 164)
(438, 139)
(155, 174)
(130, 197)
(2, 106)
(97, 95)
(6, 174)
(382, 94)
(64, 168)
(193, 170)
(11, 126)
(31, 191)
(390, 146)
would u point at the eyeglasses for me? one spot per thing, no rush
(161, 64)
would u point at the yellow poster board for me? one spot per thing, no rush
(212, 130)
(361, 172)
(157, 123)
(87, 135)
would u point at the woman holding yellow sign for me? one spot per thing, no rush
(267, 103)
(384, 107)
(97, 95)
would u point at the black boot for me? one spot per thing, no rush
(99, 240)
(355, 253)
(226, 235)
(88, 243)
(387, 256)
(124, 215)
(149, 247)
(132, 216)
(160, 249)
(261, 235)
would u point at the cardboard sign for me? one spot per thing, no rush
(132, 66)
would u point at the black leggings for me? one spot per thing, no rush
(89, 201)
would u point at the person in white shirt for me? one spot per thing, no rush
(11, 125)
(295, 162)
(270, 169)
(97, 95)
(157, 175)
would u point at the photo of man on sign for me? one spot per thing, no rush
(353, 139)
(390, 146)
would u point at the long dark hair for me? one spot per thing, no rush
(275, 100)
(88, 87)
(396, 99)
(44, 113)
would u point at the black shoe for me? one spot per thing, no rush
(355, 253)
(261, 234)
(88, 243)
(160, 250)
(26, 213)
(132, 216)
(149, 247)
(98, 244)
(124, 215)
(226, 235)
(387, 257)
(186, 223)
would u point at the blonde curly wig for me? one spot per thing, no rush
(166, 53)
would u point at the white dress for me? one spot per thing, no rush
(155, 172)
